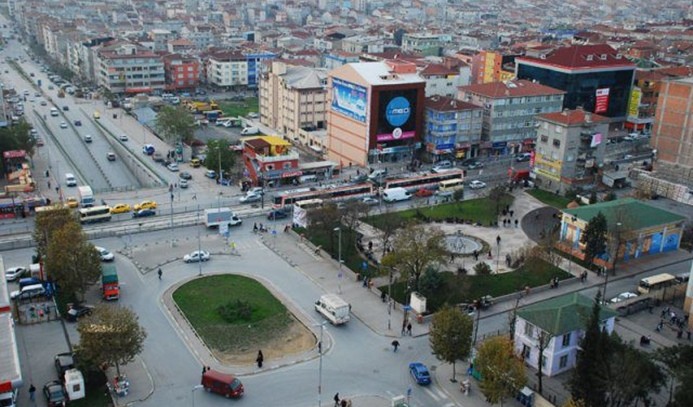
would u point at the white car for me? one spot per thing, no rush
(172, 167)
(622, 297)
(123, 137)
(14, 273)
(249, 198)
(63, 125)
(369, 200)
(105, 254)
(197, 255)
(476, 184)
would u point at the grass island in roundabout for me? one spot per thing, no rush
(235, 316)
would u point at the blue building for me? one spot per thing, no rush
(452, 128)
(255, 61)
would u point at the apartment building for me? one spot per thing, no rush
(488, 66)
(569, 149)
(509, 113)
(126, 67)
(270, 160)
(181, 72)
(227, 69)
(424, 44)
(452, 128)
(673, 132)
(442, 80)
(293, 98)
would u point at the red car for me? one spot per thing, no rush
(423, 193)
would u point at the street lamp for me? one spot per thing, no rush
(498, 241)
(196, 387)
(389, 299)
(199, 243)
(322, 329)
(339, 258)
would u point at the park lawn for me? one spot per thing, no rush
(330, 244)
(549, 198)
(199, 300)
(456, 289)
(239, 109)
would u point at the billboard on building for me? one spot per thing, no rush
(349, 99)
(634, 102)
(602, 104)
(396, 115)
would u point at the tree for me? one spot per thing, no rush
(416, 248)
(388, 224)
(47, 223)
(502, 373)
(111, 335)
(323, 221)
(594, 237)
(632, 374)
(676, 362)
(175, 124)
(72, 262)
(497, 194)
(216, 150)
(588, 382)
(352, 213)
(17, 137)
(451, 335)
(544, 339)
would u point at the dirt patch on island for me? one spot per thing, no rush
(294, 339)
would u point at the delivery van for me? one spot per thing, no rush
(221, 383)
(70, 180)
(334, 308)
(396, 194)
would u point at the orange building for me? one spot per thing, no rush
(181, 72)
(673, 131)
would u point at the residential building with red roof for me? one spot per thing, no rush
(452, 128)
(595, 77)
(570, 146)
(181, 72)
(509, 111)
(127, 67)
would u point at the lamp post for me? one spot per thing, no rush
(339, 257)
(196, 387)
(389, 299)
(199, 243)
(498, 242)
(322, 329)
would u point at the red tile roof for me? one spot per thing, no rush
(570, 117)
(437, 70)
(517, 88)
(447, 104)
(581, 57)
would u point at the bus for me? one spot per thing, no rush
(328, 193)
(428, 181)
(309, 203)
(95, 214)
(451, 184)
(656, 283)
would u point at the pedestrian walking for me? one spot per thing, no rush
(409, 329)
(395, 345)
(260, 358)
(32, 392)
(517, 223)
(204, 369)
(336, 400)
(159, 273)
(49, 185)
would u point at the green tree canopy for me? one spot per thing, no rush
(111, 335)
(17, 138)
(48, 222)
(594, 237)
(416, 247)
(502, 373)
(677, 363)
(72, 261)
(216, 150)
(175, 124)
(451, 335)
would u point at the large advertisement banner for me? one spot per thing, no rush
(602, 104)
(634, 102)
(349, 99)
(396, 115)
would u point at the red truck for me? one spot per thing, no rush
(109, 282)
(518, 175)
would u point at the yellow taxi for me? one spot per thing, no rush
(120, 208)
(145, 205)
(97, 115)
(72, 202)
(195, 162)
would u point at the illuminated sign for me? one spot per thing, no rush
(602, 104)
(396, 115)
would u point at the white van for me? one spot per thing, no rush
(29, 291)
(396, 194)
(54, 111)
(377, 175)
(334, 308)
(307, 178)
(70, 180)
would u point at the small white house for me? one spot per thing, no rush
(562, 321)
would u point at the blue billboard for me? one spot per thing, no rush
(349, 99)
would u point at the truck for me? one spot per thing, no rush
(86, 196)
(109, 282)
(518, 175)
(248, 131)
(217, 216)
(334, 308)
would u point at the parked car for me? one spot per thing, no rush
(197, 255)
(14, 273)
(63, 362)
(420, 373)
(173, 167)
(423, 193)
(105, 254)
(120, 208)
(185, 175)
(369, 200)
(211, 174)
(476, 184)
(276, 214)
(622, 297)
(55, 394)
(143, 213)
(77, 311)
(146, 205)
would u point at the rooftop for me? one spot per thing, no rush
(635, 214)
(563, 314)
(578, 57)
(447, 104)
(572, 117)
(516, 88)
(379, 73)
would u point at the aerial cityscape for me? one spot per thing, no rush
(346, 203)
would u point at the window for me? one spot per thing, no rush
(287, 165)
(559, 129)
(529, 329)
(526, 350)
(566, 340)
(544, 139)
(563, 362)
(556, 142)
